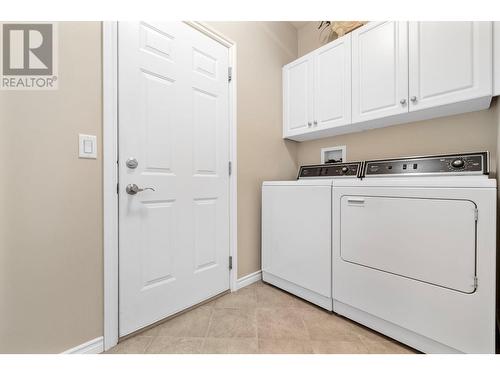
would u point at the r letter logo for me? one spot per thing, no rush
(29, 56)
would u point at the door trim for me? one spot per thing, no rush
(110, 169)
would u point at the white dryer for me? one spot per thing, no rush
(414, 251)
(297, 230)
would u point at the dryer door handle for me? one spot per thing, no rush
(356, 201)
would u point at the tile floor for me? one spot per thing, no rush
(259, 319)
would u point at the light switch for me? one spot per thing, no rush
(87, 146)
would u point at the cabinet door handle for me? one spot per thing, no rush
(309, 123)
(315, 122)
(403, 101)
(413, 99)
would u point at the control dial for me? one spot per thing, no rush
(458, 163)
(345, 170)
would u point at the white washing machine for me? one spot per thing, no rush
(414, 251)
(297, 229)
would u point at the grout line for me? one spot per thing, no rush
(149, 344)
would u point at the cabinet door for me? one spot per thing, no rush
(379, 70)
(496, 58)
(449, 62)
(298, 96)
(332, 84)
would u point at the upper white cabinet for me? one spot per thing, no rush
(298, 96)
(379, 70)
(332, 84)
(388, 73)
(449, 62)
(317, 90)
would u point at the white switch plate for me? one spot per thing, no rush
(87, 146)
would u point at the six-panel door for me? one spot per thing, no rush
(174, 120)
(449, 62)
(379, 70)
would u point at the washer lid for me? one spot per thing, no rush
(304, 182)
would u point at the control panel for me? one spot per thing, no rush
(457, 164)
(333, 170)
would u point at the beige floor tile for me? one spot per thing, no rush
(257, 284)
(285, 346)
(268, 296)
(260, 319)
(193, 323)
(378, 343)
(322, 325)
(387, 347)
(299, 303)
(365, 333)
(212, 345)
(175, 345)
(280, 323)
(233, 323)
(242, 299)
(133, 345)
(339, 347)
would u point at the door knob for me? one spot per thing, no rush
(413, 99)
(133, 189)
(403, 101)
(132, 163)
(309, 124)
(315, 123)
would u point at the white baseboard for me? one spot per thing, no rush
(94, 346)
(248, 279)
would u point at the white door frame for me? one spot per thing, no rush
(110, 170)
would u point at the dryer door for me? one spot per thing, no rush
(429, 240)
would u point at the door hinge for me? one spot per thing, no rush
(117, 188)
(229, 73)
(230, 167)
(230, 262)
(475, 282)
(476, 214)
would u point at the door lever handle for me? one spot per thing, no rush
(133, 189)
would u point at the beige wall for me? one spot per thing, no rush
(263, 48)
(309, 38)
(475, 131)
(51, 205)
(51, 268)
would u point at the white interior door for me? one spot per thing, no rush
(173, 119)
(298, 96)
(449, 62)
(379, 70)
(332, 84)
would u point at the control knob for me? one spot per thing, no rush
(458, 163)
(345, 170)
